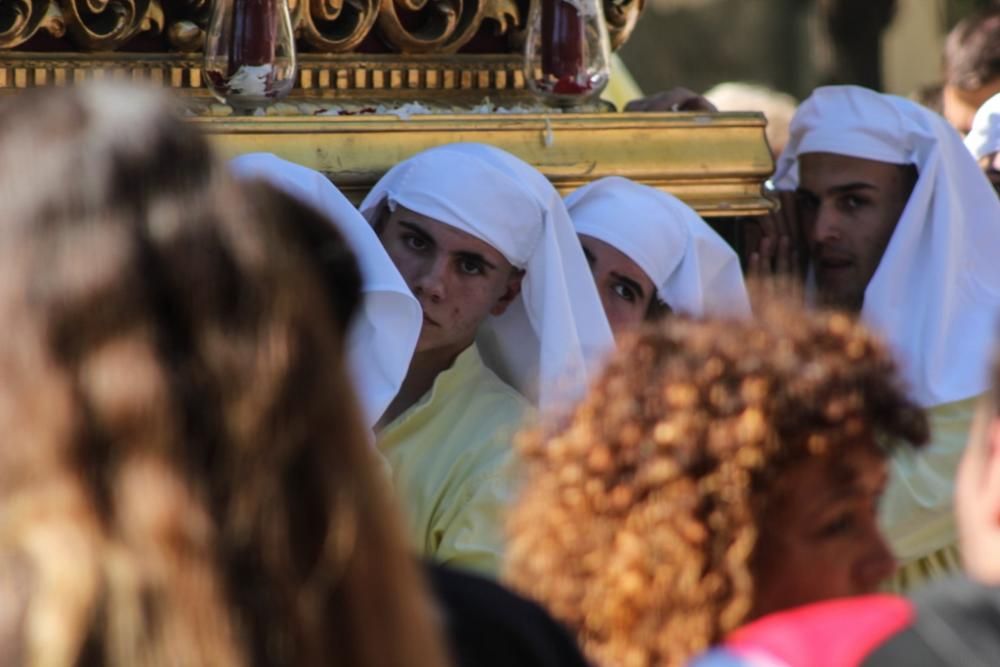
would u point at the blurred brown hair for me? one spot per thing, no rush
(639, 523)
(972, 50)
(184, 479)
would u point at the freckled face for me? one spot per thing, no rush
(458, 279)
(820, 537)
(625, 289)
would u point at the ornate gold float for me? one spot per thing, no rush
(457, 63)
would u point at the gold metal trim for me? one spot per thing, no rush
(346, 77)
(714, 162)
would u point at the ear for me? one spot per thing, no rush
(512, 291)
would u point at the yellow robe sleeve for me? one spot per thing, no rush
(917, 512)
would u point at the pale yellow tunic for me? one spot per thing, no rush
(917, 512)
(453, 464)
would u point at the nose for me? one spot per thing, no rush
(430, 281)
(827, 225)
(877, 565)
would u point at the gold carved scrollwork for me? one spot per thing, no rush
(621, 16)
(335, 26)
(21, 19)
(186, 36)
(429, 24)
(504, 13)
(104, 25)
(186, 30)
(327, 26)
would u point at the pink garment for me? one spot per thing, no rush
(836, 633)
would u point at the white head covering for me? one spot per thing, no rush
(694, 270)
(381, 339)
(552, 338)
(935, 295)
(984, 138)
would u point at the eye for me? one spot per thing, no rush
(415, 242)
(470, 267)
(624, 292)
(840, 525)
(852, 202)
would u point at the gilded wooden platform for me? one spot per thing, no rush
(357, 57)
(715, 162)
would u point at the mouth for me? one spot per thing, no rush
(835, 262)
(835, 266)
(429, 321)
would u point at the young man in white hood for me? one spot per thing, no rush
(651, 253)
(511, 323)
(903, 228)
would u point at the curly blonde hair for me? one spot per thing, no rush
(640, 521)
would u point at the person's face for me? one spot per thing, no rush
(625, 289)
(977, 496)
(959, 106)
(990, 165)
(820, 537)
(849, 208)
(458, 279)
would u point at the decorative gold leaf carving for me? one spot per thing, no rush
(622, 16)
(335, 26)
(433, 21)
(326, 26)
(21, 19)
(186, 36)
(504, 13)
(104, 25)
(188, 20)
(154, 20)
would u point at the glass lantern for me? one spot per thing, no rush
(567, 51)
(250, 52)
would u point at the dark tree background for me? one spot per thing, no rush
(855, 29)
(791, 45)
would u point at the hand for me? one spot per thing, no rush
(675, 99)
(777, 249)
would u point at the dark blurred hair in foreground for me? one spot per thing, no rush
(183, 478)
(640, 522)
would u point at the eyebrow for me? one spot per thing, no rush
(475, 257)
(840, 189)
(418, 230)
(466, 255)
(631, 283)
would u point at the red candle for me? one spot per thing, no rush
(563, 66)
(255, 33)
